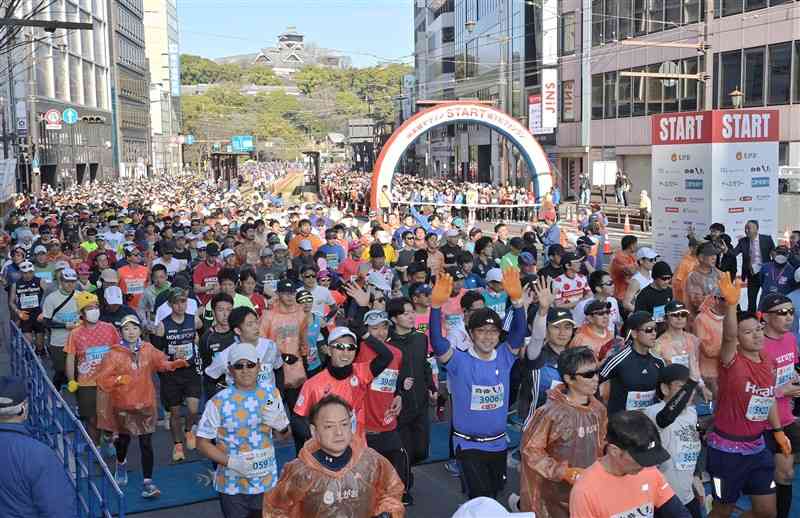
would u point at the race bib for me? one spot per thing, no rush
(681, 359)
(261, 463)
(386, 381)
(134, 286)
(658, 313)
(639, 400)
(784, 375)
(29, 301)
(210, 282)
(486, 397)
(758, 408)
(181, 351)
(266, 376)
(91, 358)
(687, 455)
(333, 261)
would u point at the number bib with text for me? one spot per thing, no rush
(639, 400)
(758, 408)
(486, 397)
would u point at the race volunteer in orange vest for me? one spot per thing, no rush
(133, 277)
(343, 378)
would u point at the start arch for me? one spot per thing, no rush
(461, 112)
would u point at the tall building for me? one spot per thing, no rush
(130, 88)
(54, 72)
(605, 115)
(434, 67)
(163, 56)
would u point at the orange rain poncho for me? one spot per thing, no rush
(366, 487)
(132, 406)
(560, 435)
(708, 328)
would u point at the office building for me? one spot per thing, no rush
(163, 56)
(60, 71)
(131, 92)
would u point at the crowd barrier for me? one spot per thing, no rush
(53, 422)
(483, 212)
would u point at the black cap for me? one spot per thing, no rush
(285, 286)
(596, 305)
(585, 241)
(673, 372)
(707, 249)
(555, 250)
(632, 431)
(456, 273)
(212, 249)
(637, 319)
(517, 243)
(559, 315)
(484, 316)
(376, 250)
(304, 296)
(661, 269)
(773, 300)
(568, 257)
(674, 306)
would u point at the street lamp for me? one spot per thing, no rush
(470, 25)
(736, 97)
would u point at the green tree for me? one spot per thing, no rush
(261, 76)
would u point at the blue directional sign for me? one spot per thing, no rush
(188, 140)
(70, 116)
(242, 143)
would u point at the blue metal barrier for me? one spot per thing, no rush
(54, 423)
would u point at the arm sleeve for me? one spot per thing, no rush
(672, 508)
(538, 334)
(516, 336)
(609, 369)
(383, 358)
(420, 219)
(676, 405)
(439, 343)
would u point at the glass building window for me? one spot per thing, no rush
(730, 77)
(597, 96)
(625, 14)
(639, 90)
(597, 22)
(672, 13)
(779, 74)
(797, 71)
(752, 5)
(654, 91)
(639, 18)
(624, 96)
(611, 18)
(730, 7)
(688, 88)
(655, 15)
(754, 77)
(610, 96)
(691, 11)
(671, 90)
(568, 33)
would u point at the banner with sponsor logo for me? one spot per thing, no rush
(713, 167)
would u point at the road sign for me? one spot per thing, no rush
(22, 127)
(189, 140)
(242, 143)
(70, 116)
(52, 120)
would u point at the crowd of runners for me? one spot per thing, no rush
(641, 388)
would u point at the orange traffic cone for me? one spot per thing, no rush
(607, 244)
(627, 228)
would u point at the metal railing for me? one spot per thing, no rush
(53, 422)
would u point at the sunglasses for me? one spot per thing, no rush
(666, 278)
(343, 347)
(588, 374)
(648, 330)
(309, 276)
(782, 312)
(680, 314)
(609, 283)
(602, 313)
(244, 365)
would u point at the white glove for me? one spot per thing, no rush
(274, 415)
(239, 465)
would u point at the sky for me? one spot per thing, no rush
(369, 31)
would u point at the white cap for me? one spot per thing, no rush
(305, 244)
(485, 507)
(646, 253)
(379, 281)
(339, 332)
(113, 295)
(453, 232)
(68, 274)
(227, 253)
(495, 274)
(39, 249)
(242, 351)
(26, 266)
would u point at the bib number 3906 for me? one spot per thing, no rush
(485, 397)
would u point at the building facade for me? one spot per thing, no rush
(606, 119)
(130, 89)
(163, 57)
(54, 72)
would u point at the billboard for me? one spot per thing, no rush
(713, 167)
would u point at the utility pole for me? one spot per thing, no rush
(708, 58)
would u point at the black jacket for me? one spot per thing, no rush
(415, 365)
(766, 245)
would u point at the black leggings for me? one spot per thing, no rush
(146, 447)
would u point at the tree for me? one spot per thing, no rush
(261, 76)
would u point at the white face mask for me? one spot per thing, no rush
(781, 259)
(92, 315)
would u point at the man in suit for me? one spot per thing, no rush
(756, 250)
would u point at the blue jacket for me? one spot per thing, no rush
(33, 482)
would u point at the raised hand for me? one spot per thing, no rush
(357, 293)
(543, 292)
(730, 291)
(512, 285)
(441, 290)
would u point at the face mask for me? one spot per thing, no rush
(92, 315)
(781, 259)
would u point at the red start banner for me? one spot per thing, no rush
(715, 127)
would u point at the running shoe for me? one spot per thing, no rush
(408, 499)
(121, 474)
(191, 442)
(177, 453)
(513, 502)
(150, 490)
(514, 459)
(452, 467)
